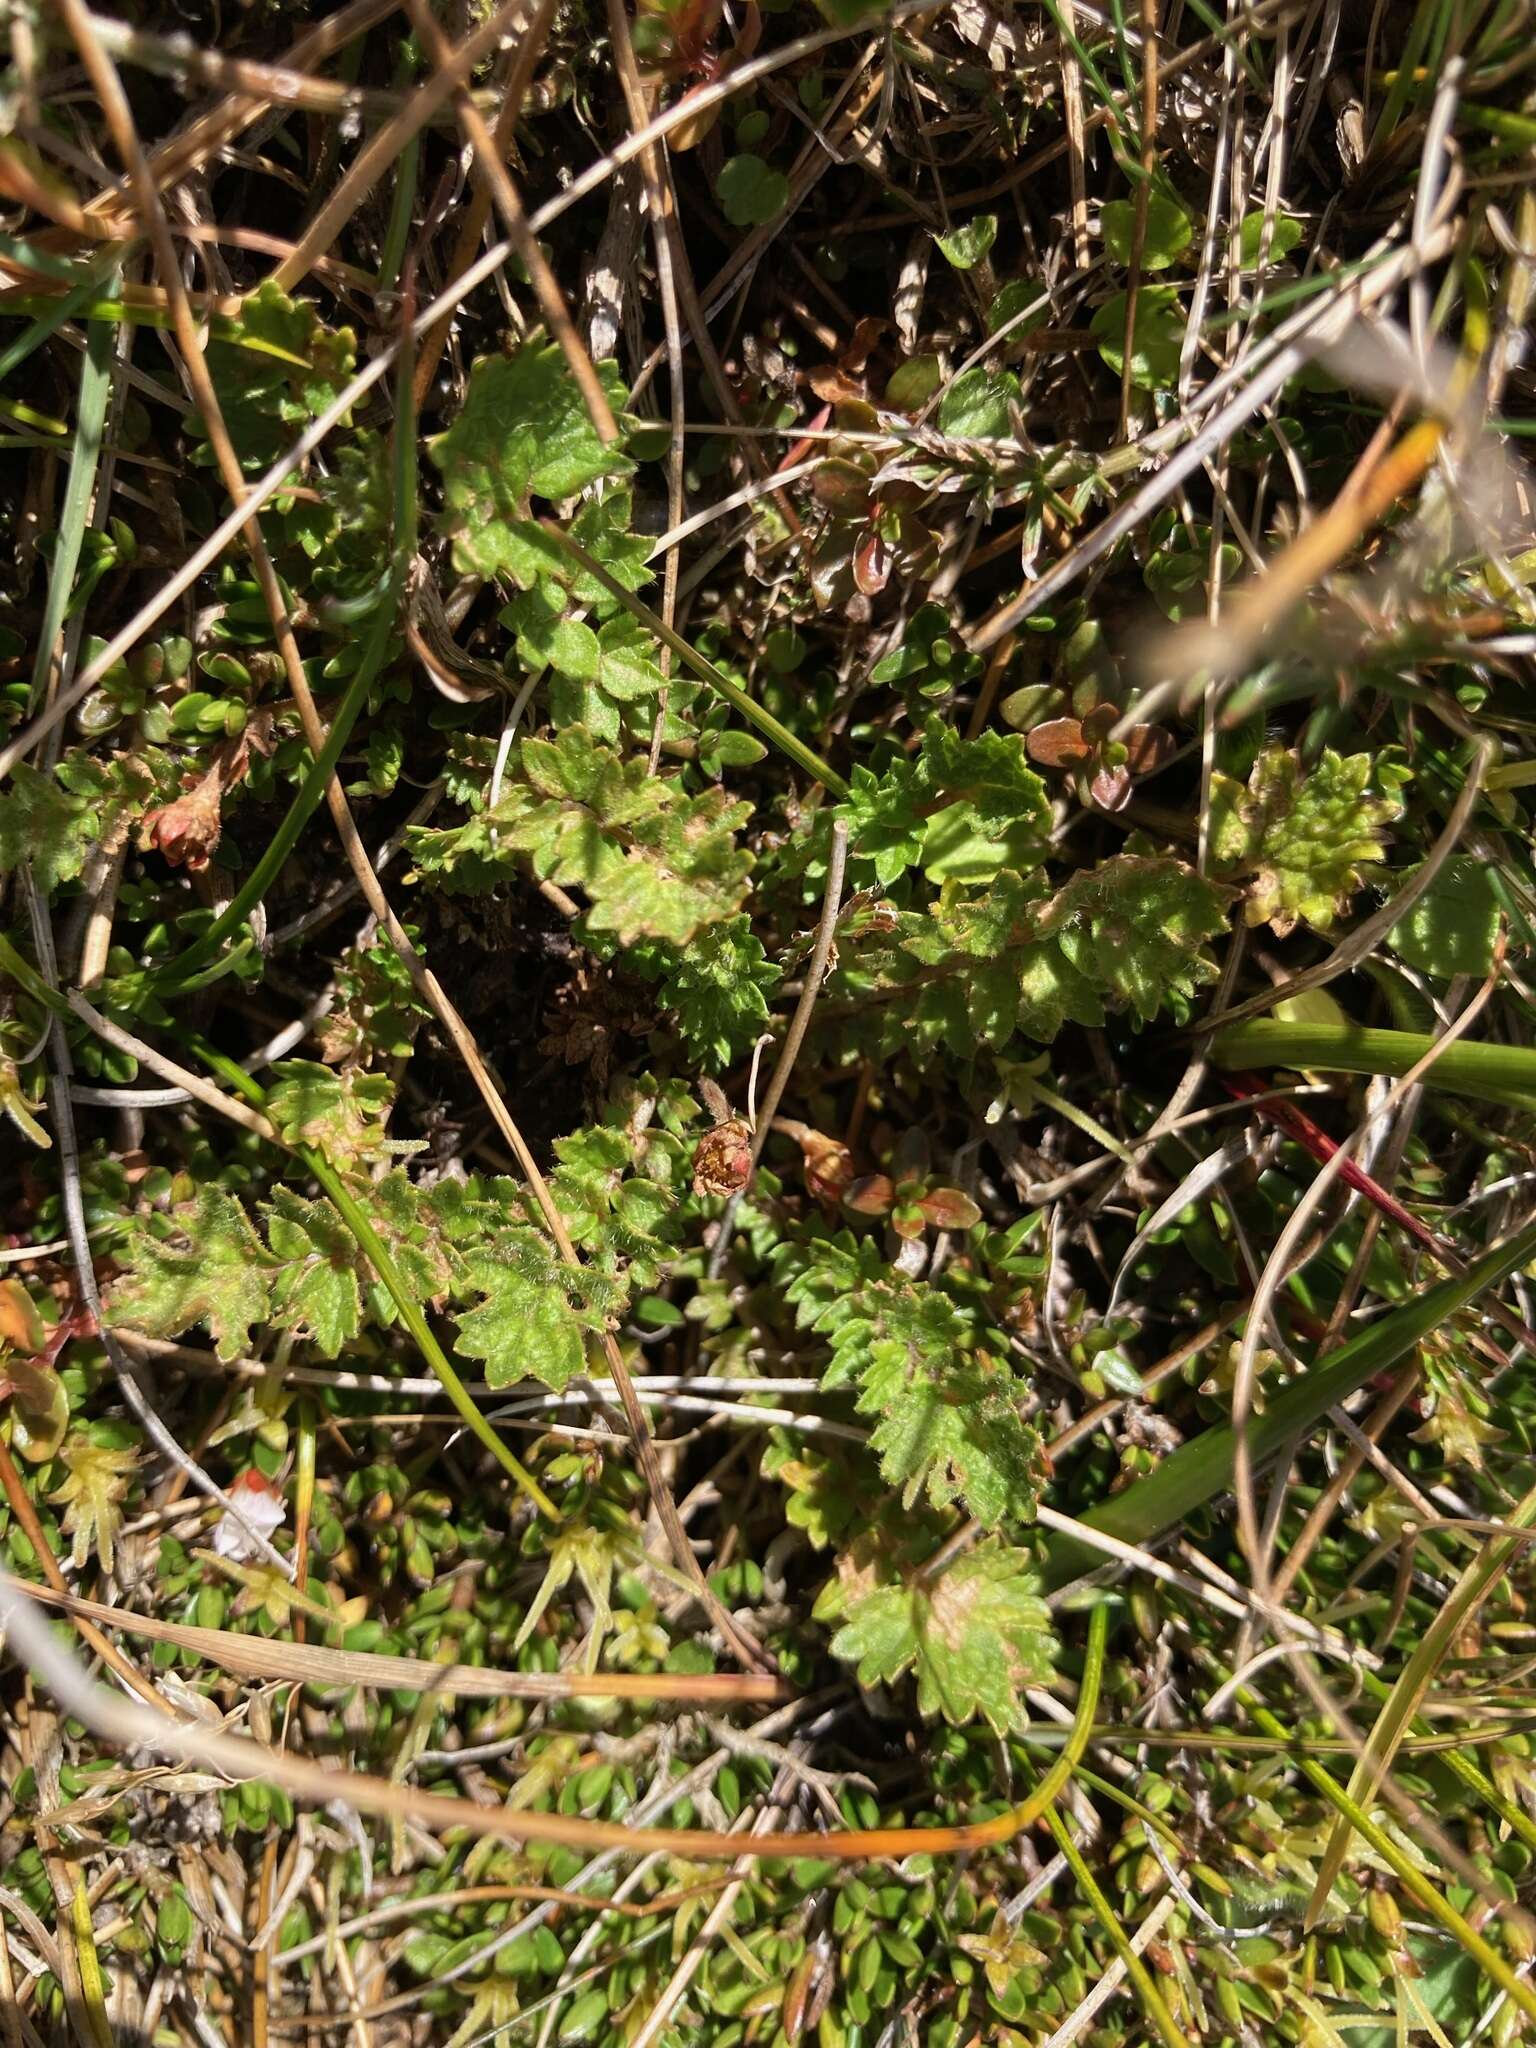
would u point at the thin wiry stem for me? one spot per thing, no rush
(794, 1038)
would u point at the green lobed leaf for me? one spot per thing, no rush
(949, 1423)
(1285, 233)
(653, 861)
(97, 1479)
(523, 432)
(314, 1290)
(977, 970)
(975, 1639)
(982, 789)
(1305, 842)
(52, 820)
(525, 1325)
(716, 989)
(340, 1113)
(214, 1270)
(277, 371)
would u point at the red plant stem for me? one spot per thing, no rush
(1298, 1125)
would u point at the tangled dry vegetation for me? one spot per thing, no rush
(765, 928)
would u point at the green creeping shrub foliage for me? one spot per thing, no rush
(978, 970)
(476, 1249)
(1304, 842)
(654, 861)
(949, 1426)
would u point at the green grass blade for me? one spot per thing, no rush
(84, 458)
(1395, 1718)
(1151, 1998)
(1505, 1074)
(1202, 1468)
(1051, 1786)
(57, 312)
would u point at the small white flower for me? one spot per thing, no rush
(261, 1506)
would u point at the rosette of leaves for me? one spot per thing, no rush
(931, 660)
(909, 1197)
(1105, 766)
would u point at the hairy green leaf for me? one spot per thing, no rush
(340, 1113)
(525, 1325)
(977, 970)
(315, 1290)
(948, 1423)
(653, 861)
(285, 367)
(717, 990)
